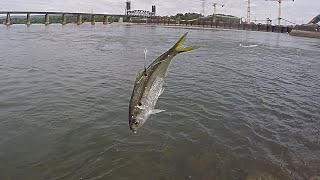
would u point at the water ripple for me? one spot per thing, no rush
(231, 112)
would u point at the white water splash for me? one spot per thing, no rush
(248, 46)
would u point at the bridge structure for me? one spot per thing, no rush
(129, 14)
(315, 20)
(140, 13)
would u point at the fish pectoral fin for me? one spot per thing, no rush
(156, 111)
(139, 74)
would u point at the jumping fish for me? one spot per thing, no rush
(148, 86)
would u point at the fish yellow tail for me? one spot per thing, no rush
(179, 47)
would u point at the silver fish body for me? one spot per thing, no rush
(149, 86)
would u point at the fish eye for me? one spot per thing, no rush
(139, 104)
(136, 123)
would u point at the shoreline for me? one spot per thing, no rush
(301, 33)
(181, 26)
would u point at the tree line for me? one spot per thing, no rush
(217, 18)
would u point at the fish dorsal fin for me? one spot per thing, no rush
(139, 74)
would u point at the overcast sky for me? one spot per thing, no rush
(299, 11)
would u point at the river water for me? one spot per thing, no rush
(232, 111)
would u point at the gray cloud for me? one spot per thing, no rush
(298, 11)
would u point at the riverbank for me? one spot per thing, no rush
(301, 33)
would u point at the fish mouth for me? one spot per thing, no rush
(133, 130)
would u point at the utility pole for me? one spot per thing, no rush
(279, 10)
(248, 12)
(203, 2)
(215, 10)
(279, 13)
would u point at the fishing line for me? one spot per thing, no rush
(145, 50)
(145, 60)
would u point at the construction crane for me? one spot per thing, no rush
(279, 10)
(215, 10)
